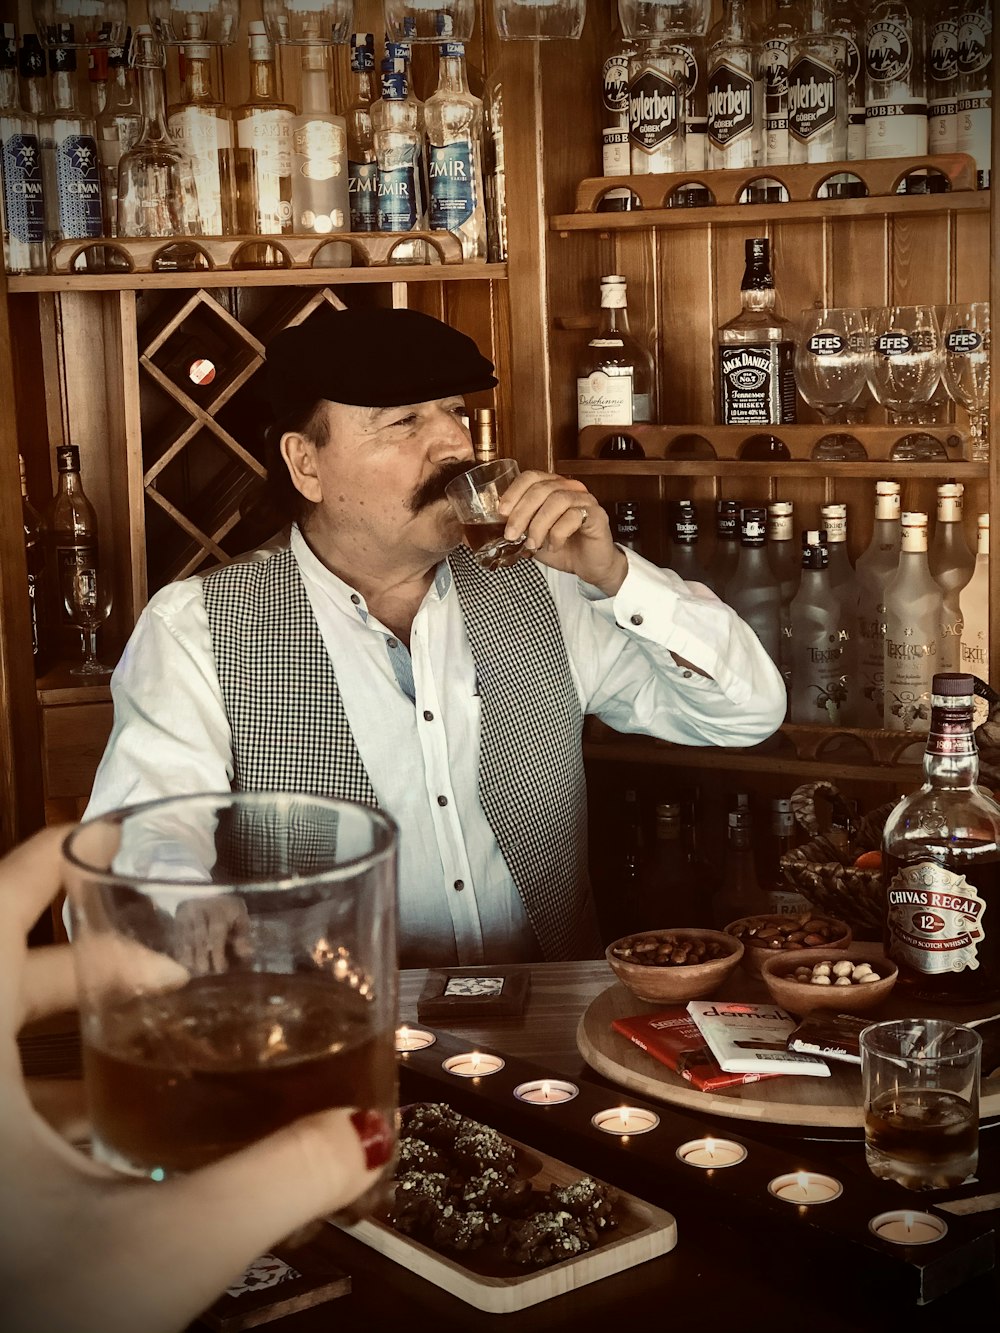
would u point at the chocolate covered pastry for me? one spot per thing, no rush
(434, 1122)
(589, 1201)
(545, 1238)
(419, 1155)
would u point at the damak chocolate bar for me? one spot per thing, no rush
(671, 1037)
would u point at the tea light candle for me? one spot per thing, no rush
(546, 1091)
(905, 1228)
(709, 1152)
(625, 1120)
(805, 1187)
(413, 1039)
(472, 1064)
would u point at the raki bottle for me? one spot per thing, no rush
(735, 90)
(820, 685)
(683, 557)
(396, 120)
(875, 567)
(912, 646)
(942, 78)
(975, 606)
(657, 83)
(453, 117)
(817, 89)
(727, 545)
(951, 563)
(22, 202)
(362, 168)
(975, 85)
(895, 81)
(941, 864)
(753, 591)
(70, 161)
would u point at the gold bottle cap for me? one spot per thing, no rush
(484, 440)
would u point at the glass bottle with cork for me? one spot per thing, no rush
(71, 542)
(22, 202)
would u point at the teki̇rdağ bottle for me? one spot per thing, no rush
(975, 85)
(942, 78)
(735, 90)
(362, 167)
(975, 606)
(875, 568)
(895, 80)
(118, 126)
(397, 122)
(776, 40)
(657, 83)
(912, 632)
(625, 525)
(817, 89)
(71, 541)
(847, 21)
(727, 545)
(753, 591)
(757, 351)
(683, 545)
(319, 159)
(202, 125)
(263, 125)
(615, 381)
(22, 200)
(951, 563)
(453, 118)
(820, 684)
(34, 554)
(941, 864)
(71, 170)
(841, 572)
(615, 159)
(785, 558)
(739, 893)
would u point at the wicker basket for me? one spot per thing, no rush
(840, 889)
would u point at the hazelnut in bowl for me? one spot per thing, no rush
(672, 966)
(765, 935)
(839, 981)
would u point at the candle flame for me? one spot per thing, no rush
(546, 1089)
(403, 1033)
(802, 1180)
(908, 1219)
(710, 1147)
(624, 1116)
(476, 1060)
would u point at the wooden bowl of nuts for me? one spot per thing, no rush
(671, 966)
(766, 935)
(847, 982)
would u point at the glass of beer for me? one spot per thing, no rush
(921, 1100)
(236, 963)
(475, 497)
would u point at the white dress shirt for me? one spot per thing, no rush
(414, 714)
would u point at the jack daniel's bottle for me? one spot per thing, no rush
(941, 864)
(756, 351)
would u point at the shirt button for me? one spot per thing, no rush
(428, 715)
(459, 885)
(442, 800)
(355, 599)
(636, 619)
(392, 643)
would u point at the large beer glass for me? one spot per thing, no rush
(831, 366)
(236, 963)
(966, 334)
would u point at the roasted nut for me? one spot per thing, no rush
(841, 973)
(668, 950)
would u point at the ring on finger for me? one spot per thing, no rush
(584, 515)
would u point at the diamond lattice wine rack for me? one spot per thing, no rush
(203, 441)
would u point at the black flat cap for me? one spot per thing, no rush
(371, 358)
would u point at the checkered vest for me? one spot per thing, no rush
(290, 731)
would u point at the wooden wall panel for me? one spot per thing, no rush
(73, 740)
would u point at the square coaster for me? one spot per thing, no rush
(287, 1279)
(455, 993)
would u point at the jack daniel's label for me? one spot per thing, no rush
(812, 98)
(935, 919)
(757, 384)
(731, 109)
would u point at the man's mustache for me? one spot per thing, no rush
(433, 488)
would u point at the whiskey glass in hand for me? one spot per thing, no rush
(966, 337)
(830, 371)
(475, 497)
(87, 597)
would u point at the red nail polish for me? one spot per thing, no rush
(376, 1137)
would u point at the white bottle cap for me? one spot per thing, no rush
(983, 521)
(887, 488)
(780, 508)
(913, 520)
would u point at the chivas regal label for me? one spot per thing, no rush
(934, 918)
(653, 110)
(21, 172)
(731, 110)
(812, 97)
(888, 52)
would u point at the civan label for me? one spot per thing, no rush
(78, 181)
(452, 185)
(731, 110)
(812, 97)
(935, 919)
(888, 52)
(362, 193)
(653, 110)
(21, 172)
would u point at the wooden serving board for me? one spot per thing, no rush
(489, 1283)
(829, 1103)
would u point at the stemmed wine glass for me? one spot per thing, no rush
(830, 372)
(966, 336)
(904, 367)
(87, 596)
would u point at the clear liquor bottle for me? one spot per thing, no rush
(785, 558)
(735, 90)
(34, 555)
(739, 893)
(820, 676)
(942, 78)
(895, 80)
(657, 83)
(941, 864)
(776, 40)
(615, 380)
(846, 21)
(362, 167)
(753, 591)
(691, 47)
(683, 546)
(70, 162)
(726, 555)
(118, 127)
(403, 51)
(98, 73)
(975, 605)
(22, 199)
(263, 126)
(397, 123)
(615, 160)
(817, 89)
(320, 205)
(453, 117)
(834, 519)
(202, 126)
(875, 568)
(757, 351)
(952, 564)
(975, 85)
(71, 539)
(913, 604)
(495, 170)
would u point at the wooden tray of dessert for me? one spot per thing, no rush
(802, 1102)
(487, 1277)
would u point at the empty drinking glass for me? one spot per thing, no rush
(966, 337)
(830, 372)
(87, 595)
(903, 372)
